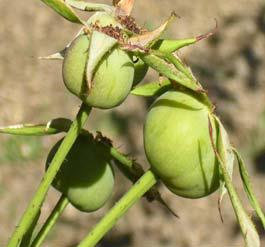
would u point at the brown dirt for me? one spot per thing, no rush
(231, 65)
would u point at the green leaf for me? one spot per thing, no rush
(85, 6)
(226, 152)
(162, 67)
(248, 229)
(64, 10)
(152, 89)
(179, 65)
(248, 188)
(100, 44)
(52, 127)
(172, 45)
(147, 38)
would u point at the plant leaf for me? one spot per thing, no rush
(172, 45)
(100, 44)
(179, 65)
(226, 152)
(123, 7)
(162, 67)
(64, 10)
(152, 89)
(147, 38)
(52, 127)
(248, 229)
(85, 6)
(248, 187)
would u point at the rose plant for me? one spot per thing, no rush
(185, 142)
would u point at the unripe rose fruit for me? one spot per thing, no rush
(85, 177)
(178, 145)
(112, 80)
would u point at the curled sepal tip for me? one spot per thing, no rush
(123, 7)
(248, 229)
(63, 9)
(148, 38)
(208, 34)
(248, 187)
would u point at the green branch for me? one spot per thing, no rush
(50, 222)
(132, 196)
(43, 188)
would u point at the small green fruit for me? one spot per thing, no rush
(85, 177)
(178, 145)
(113, 78)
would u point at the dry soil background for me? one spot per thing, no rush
(231, 66)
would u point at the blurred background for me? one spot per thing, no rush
(230, 65)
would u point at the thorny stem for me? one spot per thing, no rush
(43, 188)
(132, 196)
(50, 222)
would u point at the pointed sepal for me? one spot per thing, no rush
(248, 187)
(63, 9)
(54, 126)
(56, 56)
(248, 229)
(164, 68)
(100, 44)
(148, 38)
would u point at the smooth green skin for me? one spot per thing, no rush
(112, 79)
(178, 145)
(85, 177)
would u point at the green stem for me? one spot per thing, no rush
(50, 222)
(43, 188)
(120, 208)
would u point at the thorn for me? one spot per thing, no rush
(220, 210)
(161, 200)
(208, 34)
(154, 194)
(173, 13)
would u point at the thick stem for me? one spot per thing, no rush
(43, 188)
(120, 208)
(50, 222)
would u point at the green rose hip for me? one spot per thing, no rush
(112, 79)
(85, 177)
(178, 144)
